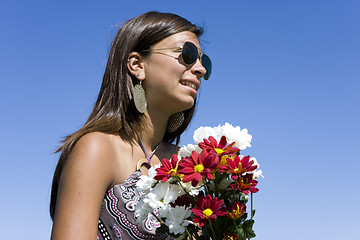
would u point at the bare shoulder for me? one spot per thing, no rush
(94, 150)
(96, 141)
(91, 163)
(98, 151)
(110, 153)
(88, 173)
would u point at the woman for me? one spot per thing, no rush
(146, 101)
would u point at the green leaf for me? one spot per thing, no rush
(243, 217)
(241, 234)
(249, 223)
(248, 231)
(206, 232)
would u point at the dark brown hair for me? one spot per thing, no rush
(114, 110)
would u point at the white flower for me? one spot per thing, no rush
(162, 195)
(257, 173)
(176, 219)
(204, 132)
(145, 183)
(193, 191)
(244, 197)
(186, 151)
(233, 134)
(223, 185)
(142, 211)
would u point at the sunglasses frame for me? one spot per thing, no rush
(199, 56)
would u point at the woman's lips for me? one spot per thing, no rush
(190, 84)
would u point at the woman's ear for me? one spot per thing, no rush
(135, 65)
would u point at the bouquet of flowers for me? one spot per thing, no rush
(203, 192)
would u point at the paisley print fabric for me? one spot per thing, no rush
(117, 220)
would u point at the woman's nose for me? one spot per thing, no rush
(198, 69)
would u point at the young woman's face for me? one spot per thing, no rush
(170, 84)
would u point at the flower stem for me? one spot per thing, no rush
(186, 192)
(234, 191)
(236, 227)
(188, 233)
(216, 183)
(252, 215)
(212, 230)
(206, 187)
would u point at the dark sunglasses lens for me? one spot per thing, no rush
(189, 53)
(206, 62)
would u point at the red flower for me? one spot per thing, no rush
(197, 166)
(236, 210)
(207, 208)
(221, 149)
(245, 184)
(182, 200)
(230, 236)
(238, 167)
(168, 169)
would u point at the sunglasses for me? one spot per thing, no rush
(189, 55)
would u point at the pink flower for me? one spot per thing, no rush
(230, 236)
(245, 184)
(221, 149)
(207, 208)
(197, 166)
(168, 169)
(236, 210)
(237, 167)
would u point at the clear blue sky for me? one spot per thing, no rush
(288, 71)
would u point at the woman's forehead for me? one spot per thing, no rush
(177, 40)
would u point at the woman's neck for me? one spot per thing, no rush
(155, 128)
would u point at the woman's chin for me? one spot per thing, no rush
(188, 104)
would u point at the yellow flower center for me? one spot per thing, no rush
(236, 213)
(219, 150)
(172, 170)
(208, 212)
(199, 168)
(229, 237)
(223, 160)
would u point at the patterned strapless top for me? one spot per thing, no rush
(117, 215)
